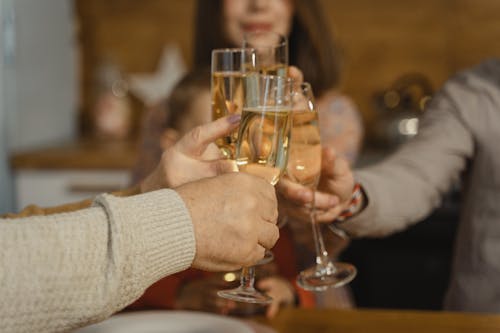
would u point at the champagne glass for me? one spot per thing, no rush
(262, 150)
(304, 167)
(271, 50)
(229, 66)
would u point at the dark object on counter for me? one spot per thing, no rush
(399, 108)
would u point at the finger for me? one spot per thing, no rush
(325, 201)
(273, 309)
(264, 189)
(333, 166)
(328, 161)
(211, 153)
(329, 215)
(294, 192)
(220, 266)
(295, 74)
(265, 284)
(286, 210)
(268, 202)
(196, 141)
(301, 214)
(221, 167)
(268, 192)
(257, 255)
(268, 234)
(253, 257)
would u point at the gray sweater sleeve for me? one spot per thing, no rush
(407, 186)
(67, 270)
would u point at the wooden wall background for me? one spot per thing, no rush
(381, 39)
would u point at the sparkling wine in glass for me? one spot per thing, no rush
(271, 51)
(229, 67)
(262, 150)
(304, 167)
(263, 144)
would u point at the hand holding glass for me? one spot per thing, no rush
(262, 150)
(304, 167)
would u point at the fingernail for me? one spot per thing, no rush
(234, 118)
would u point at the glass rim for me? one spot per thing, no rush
(283, 40)
(233, 50)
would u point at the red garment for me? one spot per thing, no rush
(163, 293)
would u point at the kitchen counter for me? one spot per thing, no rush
(85, 154)
(71, 171)
(293, 320)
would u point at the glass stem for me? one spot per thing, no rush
(322, 258)
(247, 278)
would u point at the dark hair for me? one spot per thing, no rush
(183, 94)
(311, 45)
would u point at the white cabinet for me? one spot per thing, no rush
(55, 187)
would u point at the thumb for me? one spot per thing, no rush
(272, 310)
(337, 177)
(296, 74)
(328, 162)
(223, 166)
(195, 142)
(333, 166)
(265, 284)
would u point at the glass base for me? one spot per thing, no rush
(245, 295)
(319, 278)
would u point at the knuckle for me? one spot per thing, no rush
(274, 202)
(256, 255)
(259, 253)
(275, 235)
(275, 216)
(272, 193)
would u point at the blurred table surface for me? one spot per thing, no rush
(81, 154)
(293, 320)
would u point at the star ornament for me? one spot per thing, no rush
(152, 88)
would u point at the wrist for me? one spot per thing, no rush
(355, 206)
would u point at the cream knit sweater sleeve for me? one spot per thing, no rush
(63, 271)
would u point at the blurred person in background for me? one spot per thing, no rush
(221, 24)
(68, 266)
(457, 140)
